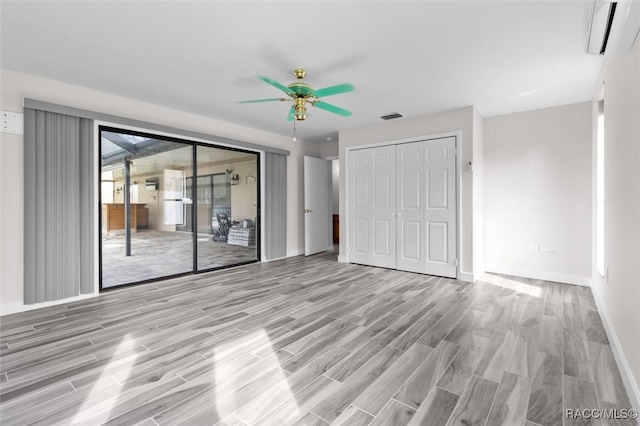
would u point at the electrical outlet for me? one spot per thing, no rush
(534, 247)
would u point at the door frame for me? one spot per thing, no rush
(308, 251)
(458, 138)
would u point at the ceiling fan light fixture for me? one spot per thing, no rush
(300, 109)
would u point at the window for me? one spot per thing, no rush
(600, 190)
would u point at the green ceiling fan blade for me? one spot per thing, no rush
(332, 108)
(253, 101)
(291, 112)
(275, 84)
(334, 90)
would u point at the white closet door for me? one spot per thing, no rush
(383, 213)
(410, 209)
(372, 207)
(440, 207)
(360, 206)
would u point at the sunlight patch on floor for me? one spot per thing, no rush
(231, 393)
(523, 288)
(95, 409)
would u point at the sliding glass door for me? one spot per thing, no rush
(155, 223)
(228, 195)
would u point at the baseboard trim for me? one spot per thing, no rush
(467, 277)
(343, 258)
(294, 253)
(540, 275)
(273, 260)
(623, 366)
(18, 307)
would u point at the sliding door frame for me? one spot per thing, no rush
(100, 126)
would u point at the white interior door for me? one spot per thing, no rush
(440, 207)
(317, 179)
(410, 195)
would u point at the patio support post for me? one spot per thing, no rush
(127, 206)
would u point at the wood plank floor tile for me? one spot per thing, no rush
(572, 316)
(301, 403)
(459, 372)
(436, 408)
(465, 327)
(374, 398)
(394, 413)
(425, 377)
(357, 359)
(545, 399)
(231, 420)
(606, 375)
(475, 403)
(579, 395)
(353, 416)
(594, 327)
(333, 405)
(284, 390)
(551, 335)
(421, 326)
(524, 352)
(441, 328)
(310, 419)
(226, 402)
(495, 356)
(510, 404)
(576, 354)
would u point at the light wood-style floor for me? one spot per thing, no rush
(309, 341)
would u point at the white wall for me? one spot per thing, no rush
(619, 296)
(477, 167)
(450, 121)
(538, 191)
(16, 86)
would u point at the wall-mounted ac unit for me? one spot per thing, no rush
(611, 27)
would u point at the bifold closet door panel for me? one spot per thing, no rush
(360, 206)
(440, 207)
(410, 206)
(383, 213)
(372, 207)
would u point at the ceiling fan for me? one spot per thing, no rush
(302, 94)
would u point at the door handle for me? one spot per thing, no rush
(307, 211)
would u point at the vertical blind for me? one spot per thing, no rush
(59, 179)
(275, 206)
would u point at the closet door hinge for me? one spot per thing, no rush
(456, 262)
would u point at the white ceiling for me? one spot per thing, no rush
(416, 57)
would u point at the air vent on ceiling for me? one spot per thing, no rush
(392, 116)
